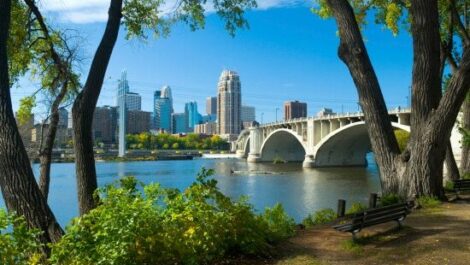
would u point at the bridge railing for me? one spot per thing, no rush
(333, 116)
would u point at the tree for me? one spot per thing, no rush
(19, 188)
(418, 170)
(138, 18)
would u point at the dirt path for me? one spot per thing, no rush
(430, 236)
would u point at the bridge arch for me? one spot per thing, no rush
(346, 146)
(283, 144)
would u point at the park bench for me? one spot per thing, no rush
(356, 222)
(461, 185)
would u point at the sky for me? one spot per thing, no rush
(288, 53)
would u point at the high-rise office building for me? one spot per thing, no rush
(133, 101)
(138, 121)
(229, 103)
(63, 118)
(294, 109)
(248, 114)
(211, 106)
(166, 93)
(162, 109)
(155, 118)
(105, 124)
(193, 116)
(163, 112)
(123, 89)
(180, 123)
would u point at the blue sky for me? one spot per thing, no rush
(287, 54)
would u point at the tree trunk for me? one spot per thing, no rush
(418, 171)
(353, 53)
(45, 155)
(465, 158)
(19, 188)
(84, 107)
(451, 165)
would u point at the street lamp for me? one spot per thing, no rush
(262, 114)
(276, 113)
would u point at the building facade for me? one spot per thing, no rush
(294, 109)
(180, 123)
(248, 114)
(211, 106)
(123, 89)
(105, 124)
(208, 128)
(229, 104)
(193, 116)
(138, 121)
(163, 112)
(133, 101)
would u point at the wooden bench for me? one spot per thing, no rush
(356, 222)
(461, 185)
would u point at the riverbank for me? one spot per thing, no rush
(431, 236)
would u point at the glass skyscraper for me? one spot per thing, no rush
(123, 89)
(193, 116)
(163, 108)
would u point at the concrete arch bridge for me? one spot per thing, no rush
(327, 141)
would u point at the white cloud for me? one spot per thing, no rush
(89, 11)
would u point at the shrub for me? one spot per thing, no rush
(137, 224)
(449, 186)
(428, 202)
(356, 207)
(466, 175)
(18, 243)
(278, 224)
(322, 216)
(389, 199)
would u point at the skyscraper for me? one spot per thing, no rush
(163, 112)
(193, 116)
(123, 89)
(180, 123)
(211, 105)
(248, 114)
(294, 109)
(155, 118)
(229, 103)
(166, 93)
(133, 101)
(104, 124)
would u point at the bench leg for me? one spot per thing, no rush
(400, 222)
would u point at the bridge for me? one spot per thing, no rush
(325, 141)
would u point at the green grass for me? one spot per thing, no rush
(352, 246)
(428, 202)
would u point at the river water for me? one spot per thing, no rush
(301, 191)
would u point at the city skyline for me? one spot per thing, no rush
(271, 56)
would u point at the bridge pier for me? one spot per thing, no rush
(256, 139)
(240, 154)
(309, 161)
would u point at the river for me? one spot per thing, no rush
(301, 191)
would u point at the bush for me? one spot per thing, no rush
(278, 225)
(137, 224)
(402, 138)
(18, 243)
(356, 207)
(322, 216)
(449, 186)
(390, 199)
(466, 175)
(428, 202)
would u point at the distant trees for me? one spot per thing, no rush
(167, 141)
(416, 171)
